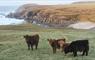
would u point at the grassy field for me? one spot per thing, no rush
(13, 46)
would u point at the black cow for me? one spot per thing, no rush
(32, 41)
(79, 45)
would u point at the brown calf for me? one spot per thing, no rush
(56, 44)
(32, 41)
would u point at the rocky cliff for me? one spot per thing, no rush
(55, 15)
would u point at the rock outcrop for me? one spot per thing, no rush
(55, 15)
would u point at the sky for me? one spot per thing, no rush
(42, 2)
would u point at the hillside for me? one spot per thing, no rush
(55, 15)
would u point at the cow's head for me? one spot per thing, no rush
(25, 36)
(51, 41)
(61, 42)
(66, 50)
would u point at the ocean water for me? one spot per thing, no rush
(4, 10)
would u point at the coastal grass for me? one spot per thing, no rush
(13, 46)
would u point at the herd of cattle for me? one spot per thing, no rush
(74, 46)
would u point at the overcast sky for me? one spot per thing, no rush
(49, 2)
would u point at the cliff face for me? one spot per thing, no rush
(55, 15)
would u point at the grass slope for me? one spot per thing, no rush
(13, 46)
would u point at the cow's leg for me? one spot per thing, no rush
(28, 46)
(87, 50)
(31, 46)
(83, 53)
(86, 53)
(54, 50)
(36, 46)
(75, 53)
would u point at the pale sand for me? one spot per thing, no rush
(83, 25)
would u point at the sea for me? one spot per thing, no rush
(5, 10)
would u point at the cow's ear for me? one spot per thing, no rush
(64, 39)
(48, 39)
(24, 36)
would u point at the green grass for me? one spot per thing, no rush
(13, 46)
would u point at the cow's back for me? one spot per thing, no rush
(80, 45)
(35, 38)
(80, 42)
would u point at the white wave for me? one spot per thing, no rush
(8, 21)
(2, 16)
